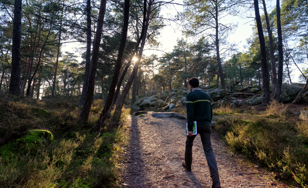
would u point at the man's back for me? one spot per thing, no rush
(198, 104)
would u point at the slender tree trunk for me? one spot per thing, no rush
(2, 76)
(265, 78)
(84, 114)
(120, 102)
(298, 98)
(288, 68)
(222, 79)
(185, 79)
(68, 82)
(134, 92)
(117, 93)
(118, 66)
(27, 73)
(280, 54)
(32, 87)
(38, 63)
(39, 85)
(241, 76)
(57, 60)
(16, 58)
(272, 49)
(88, 54)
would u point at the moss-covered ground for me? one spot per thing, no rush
(43, 145)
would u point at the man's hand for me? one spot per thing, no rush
(190, 133)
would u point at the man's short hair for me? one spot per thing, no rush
(194, 82)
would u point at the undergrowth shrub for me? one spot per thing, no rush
(274, 142)
(276, 109)
(224, 110)
(302, 128)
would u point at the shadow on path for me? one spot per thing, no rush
(193, 179)
(135, 161)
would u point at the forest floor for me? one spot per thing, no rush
(154, 156)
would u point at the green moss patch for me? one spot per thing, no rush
(33, 139)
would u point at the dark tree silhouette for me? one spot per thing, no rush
(84, 114)
(16, 58)
(265, 78)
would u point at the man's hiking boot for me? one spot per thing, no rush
(188, 168)
(216, 186)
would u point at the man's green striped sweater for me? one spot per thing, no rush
(199, 108)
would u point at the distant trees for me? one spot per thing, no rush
(39, 65)
(204, 17)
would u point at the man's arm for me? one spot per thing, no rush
(190, 112)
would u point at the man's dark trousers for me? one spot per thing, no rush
(205, 133)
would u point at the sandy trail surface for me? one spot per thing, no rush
(155, 154)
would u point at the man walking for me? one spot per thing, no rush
(198, 106)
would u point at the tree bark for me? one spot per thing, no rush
(68, 82)
(280, 54)
(88, 58)
(84, 114)
(120, 82)
(57, 60)
(222, 79)
(272, 56)
(16, 58)
(2, 76)
(118, 66)
(134, 91)
(39, 85)
(265, 77)
(298, 98)
(120, 102)
(288, 68)
(241, 76)
(38, 63)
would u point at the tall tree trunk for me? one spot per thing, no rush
(2, 76)
(27, 73)
(134, 91)
(272, 49)
(298, 98)
(117, 93)
(38, 63)
(280, 54)
(84, 114)
(68, 82)
(32, 87)
(39, 85)
(288, 68)
(221, 74)
(120, 102)
(57, 60)
(88, 54)
(265, 78)
(241, 76)
(16, 58)
(118, 66)
(217, 80)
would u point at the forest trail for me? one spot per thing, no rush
(155, 153)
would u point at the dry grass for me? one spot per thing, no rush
(225, 110)
(276, 109)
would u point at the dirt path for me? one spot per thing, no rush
(156, 151)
